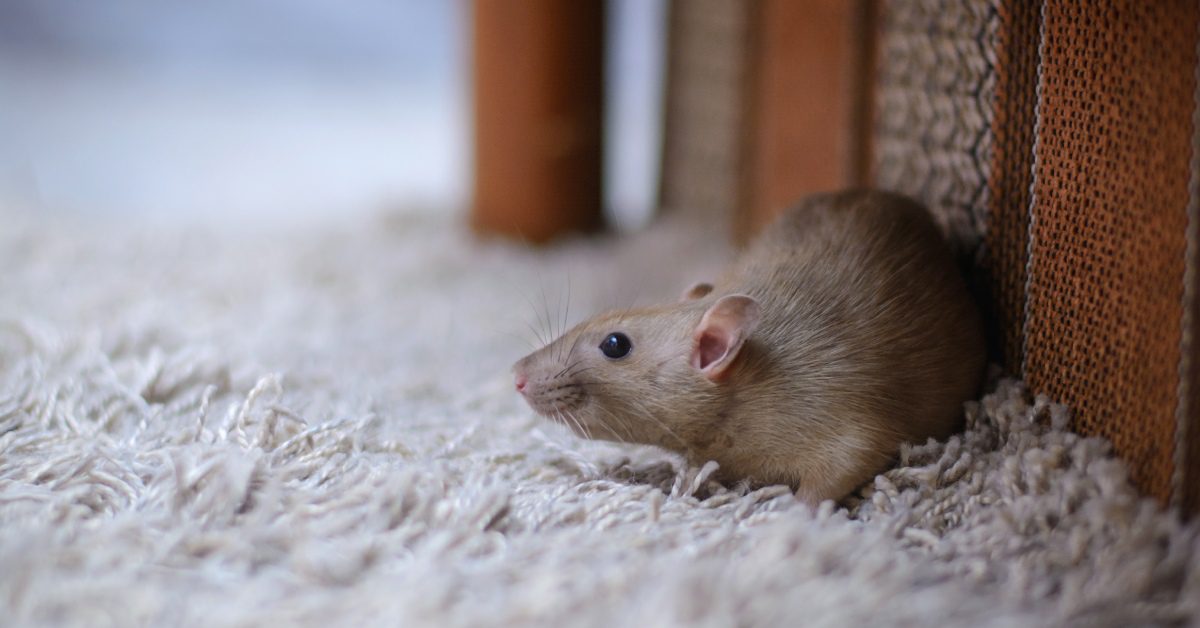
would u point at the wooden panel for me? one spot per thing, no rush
(538, 79)
(807, 104)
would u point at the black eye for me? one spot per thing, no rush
(616, 346)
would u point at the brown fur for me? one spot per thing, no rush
(867, 338)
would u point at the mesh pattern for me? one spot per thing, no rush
(934, 86)
(1187, 455)
(1108, 231)
(1007, 241)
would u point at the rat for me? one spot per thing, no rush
(844, 330)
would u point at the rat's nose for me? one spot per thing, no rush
(521, 380)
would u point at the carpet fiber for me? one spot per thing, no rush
(317, 426)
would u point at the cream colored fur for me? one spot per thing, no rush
(843, 331)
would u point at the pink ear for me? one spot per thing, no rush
(721, 333)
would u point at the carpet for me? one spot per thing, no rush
(315, 425)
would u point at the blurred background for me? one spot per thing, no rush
(258, 109)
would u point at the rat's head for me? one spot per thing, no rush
(641, 375)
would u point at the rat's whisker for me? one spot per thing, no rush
(511, 334)
(536, 334)
(555, 316)
(562, 418)
(577, 373)
(608, 428)
(567, 310)
(642, 411)
(670, 432)
(582, 370)
(580, 431)
(567, 368)
(637, 292)
(546, 309)
(514, 286)
(574, 344)
(623, 424)
(587, 433)
(572, 422)
(596, 384)
(617, 437)
(545, 306)
(646, 413)
(560, 318)
(524, 340)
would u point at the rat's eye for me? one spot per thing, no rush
(615, 346)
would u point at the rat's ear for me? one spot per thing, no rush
(697, 290)
(721, 332)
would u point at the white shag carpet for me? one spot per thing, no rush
(317, 427)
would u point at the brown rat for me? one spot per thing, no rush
(843, 331)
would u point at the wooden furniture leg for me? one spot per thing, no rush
(538, 81)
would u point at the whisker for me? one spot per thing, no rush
(555, 318)
(564, 419)
(567, 310)
(633, 301)
(536, 333)
(514, 335)
(566, 368)
(668, 430)
(643, 414)
(545, 307)
(583, 370)
(597, 384)
(586, 432)
(625, 426)
(532, 307)
(516, 286)
(587, 429)
(617, 437)
(558, 414)
(582, 430)
(541, 288)
(574, 344)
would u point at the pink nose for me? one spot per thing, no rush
(521, 381)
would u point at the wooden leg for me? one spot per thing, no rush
(539, 109)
